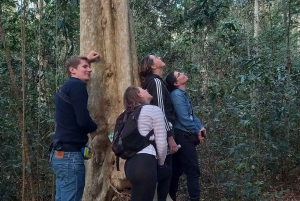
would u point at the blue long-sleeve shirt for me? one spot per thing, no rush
(73, 121)
(185, 117)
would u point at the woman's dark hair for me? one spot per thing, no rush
(170, 80)
(145, 69)
(131, 99)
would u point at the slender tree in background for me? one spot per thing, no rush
(256, 18)
(286, 23)
(26, 163)
(286, 99)
(107, 27)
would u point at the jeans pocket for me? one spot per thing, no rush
(78, 165)
(78, 160)
(62, 173)
(78, 172)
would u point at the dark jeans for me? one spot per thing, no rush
(185, 161)
(141, 171)
(164, 178)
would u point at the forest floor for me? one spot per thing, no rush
(280, 191)
(285, 192)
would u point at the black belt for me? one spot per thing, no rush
(67, 147)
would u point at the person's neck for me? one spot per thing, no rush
(158, 72)
(182, 87)
(85, 82)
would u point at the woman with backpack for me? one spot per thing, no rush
(189, 132)
(141, 169)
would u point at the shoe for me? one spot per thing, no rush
(173, 197)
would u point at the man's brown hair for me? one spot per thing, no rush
(74, 61)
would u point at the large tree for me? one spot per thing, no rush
(107, 27)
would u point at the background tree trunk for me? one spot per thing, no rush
(298, 28)
(256, 18)
(106, 26)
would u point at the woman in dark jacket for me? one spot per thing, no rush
(151, 71)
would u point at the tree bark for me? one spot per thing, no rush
(298, 28)
(256, 19)
(106, 26)
(286, 23)
(26, 163)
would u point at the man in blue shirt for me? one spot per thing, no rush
(189, 132)
(73, 123)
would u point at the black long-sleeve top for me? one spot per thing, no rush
(73, 121)
(161, 98)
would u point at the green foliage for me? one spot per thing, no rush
(51, 35)
(239, 86)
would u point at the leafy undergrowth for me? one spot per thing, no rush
(280, 191)
(284, 192)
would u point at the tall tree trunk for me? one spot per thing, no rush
(285, 164)
(253, 93)
(26, 163)
(286, 23)
(39, 16)
(256, 48)
(106, 26)
(298, 28)
(256, 18)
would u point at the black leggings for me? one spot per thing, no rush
(141, 171)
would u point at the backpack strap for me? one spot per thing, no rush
(151, 141)
(149, 134)
(117, 163)
(64, 96)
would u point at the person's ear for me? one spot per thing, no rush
(142, 98)
(139, 94)
(176, 84)
(71, 70)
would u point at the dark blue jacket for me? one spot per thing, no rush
(73, 121)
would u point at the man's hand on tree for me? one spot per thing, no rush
(93, 56)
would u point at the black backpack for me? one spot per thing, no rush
(127, 140)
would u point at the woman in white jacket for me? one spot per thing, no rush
(141, 169)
